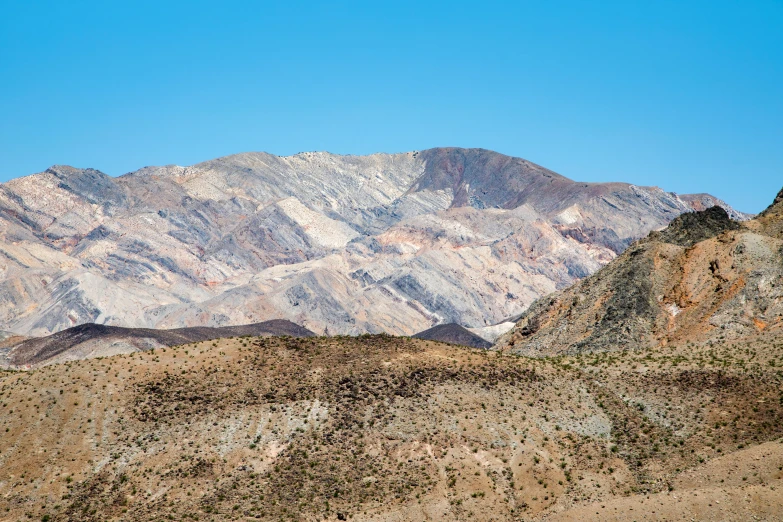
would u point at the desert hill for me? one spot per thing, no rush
(378, 428)
(705, 278)
(97, 340)
(385, 242)
(453, 334)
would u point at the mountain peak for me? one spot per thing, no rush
(693, 227)
(62, 171)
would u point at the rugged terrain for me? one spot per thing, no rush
(386, 242)
(703, 278)
(641, 423)
(379, 428)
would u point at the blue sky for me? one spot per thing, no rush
(686, 95)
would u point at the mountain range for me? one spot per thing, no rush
(647, 391)
(391, 243)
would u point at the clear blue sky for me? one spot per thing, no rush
(686, 95)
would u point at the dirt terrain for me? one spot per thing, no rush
(380, 428)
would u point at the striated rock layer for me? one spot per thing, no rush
(385, 242)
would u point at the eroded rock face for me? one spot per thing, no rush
(386, 242)
(703, 278)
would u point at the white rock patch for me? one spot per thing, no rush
(324, 231)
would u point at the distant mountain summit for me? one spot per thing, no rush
(453, 334)
(384, 242)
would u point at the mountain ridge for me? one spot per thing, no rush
(92, 340)
(353, 243)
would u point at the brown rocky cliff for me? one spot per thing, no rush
(703, 277)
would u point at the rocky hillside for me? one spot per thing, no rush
(378, 428)
(386, 242)
(704, 278)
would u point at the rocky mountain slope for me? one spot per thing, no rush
(386, 242)
(378, 428)
(705, 278)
